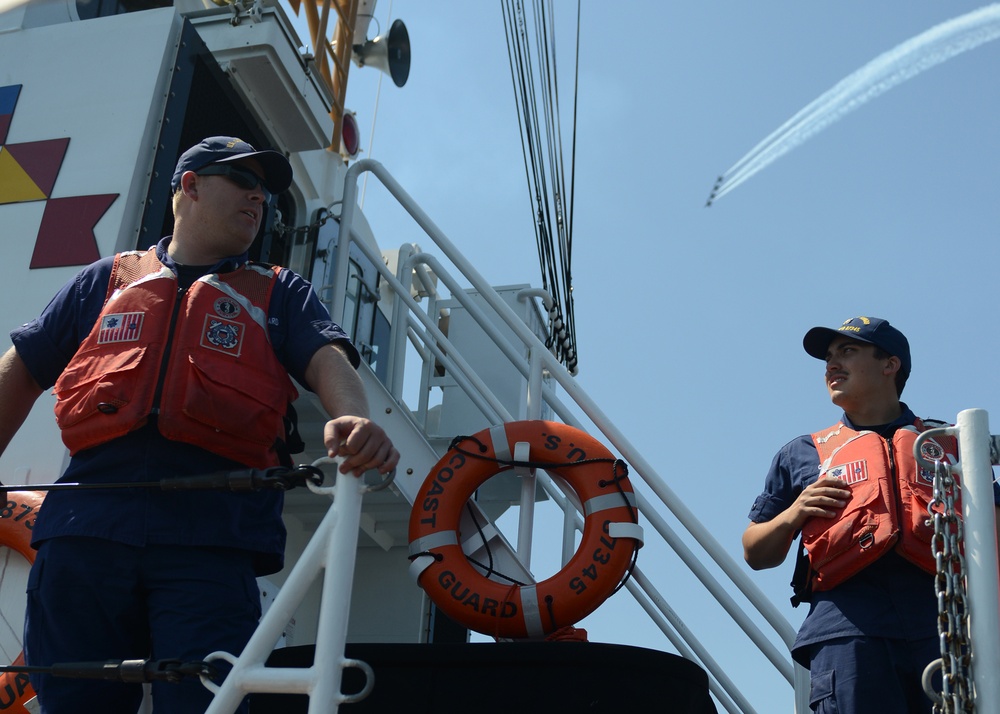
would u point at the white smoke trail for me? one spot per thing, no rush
(930, 48)
(6, 5)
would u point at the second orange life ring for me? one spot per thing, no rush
(611, 534)
(17, 518)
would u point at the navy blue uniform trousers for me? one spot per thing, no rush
(91, 599)
(871, 675)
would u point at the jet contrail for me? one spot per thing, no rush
(6, 5)
(936, 45)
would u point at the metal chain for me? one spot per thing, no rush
(949, 585)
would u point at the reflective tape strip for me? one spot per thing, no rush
(419, 565)
(432, 541)
(826, 465)
(255, 313)
(498, 435)
(529, 606)
(522, 453)
(827, 437)
(626, 530)
(608, 500)
(161, 274)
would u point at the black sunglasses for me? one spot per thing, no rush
(242, 177)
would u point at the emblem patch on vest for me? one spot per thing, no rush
(120, 327)
(930, 450)
(854, 472)
(222, 335)
(224, 307)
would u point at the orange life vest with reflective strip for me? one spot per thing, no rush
(890, 496)
(201, 361)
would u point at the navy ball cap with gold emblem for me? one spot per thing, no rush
(872, 330)
(223, 149)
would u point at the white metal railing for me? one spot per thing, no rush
(410, 321)
(978, 452)
(332, 549)
(979, 514)
(333, 545)
(334, 542)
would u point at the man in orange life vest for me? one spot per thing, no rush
(167, 363)
(872, 623)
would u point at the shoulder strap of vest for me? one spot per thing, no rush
(254, 280)
(129, 267)
(824, 435)
(829, 442)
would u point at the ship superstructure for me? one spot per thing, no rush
(85, 169)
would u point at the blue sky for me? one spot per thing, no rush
(689, 318)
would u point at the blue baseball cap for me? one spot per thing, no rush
(872, 330)
(223, 149)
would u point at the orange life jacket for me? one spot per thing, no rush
(890, 496)
(201, 361)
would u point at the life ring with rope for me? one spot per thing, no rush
(17, 518)
(464, 591)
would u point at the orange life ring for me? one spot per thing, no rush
(611, 534)
(17, 518)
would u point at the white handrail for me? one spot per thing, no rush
(333, 549)
(539, 360)
(979, 517)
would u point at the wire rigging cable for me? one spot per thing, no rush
(534, 75)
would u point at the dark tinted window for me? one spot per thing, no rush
(88, 9)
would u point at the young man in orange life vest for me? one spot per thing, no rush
(872, 623)
(166, 363)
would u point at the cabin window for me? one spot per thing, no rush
(362, 320)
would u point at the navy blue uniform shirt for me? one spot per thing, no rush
(890, 598)
(298, 325)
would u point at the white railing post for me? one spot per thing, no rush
(978, 514)
(332, 548)
(526, 513)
